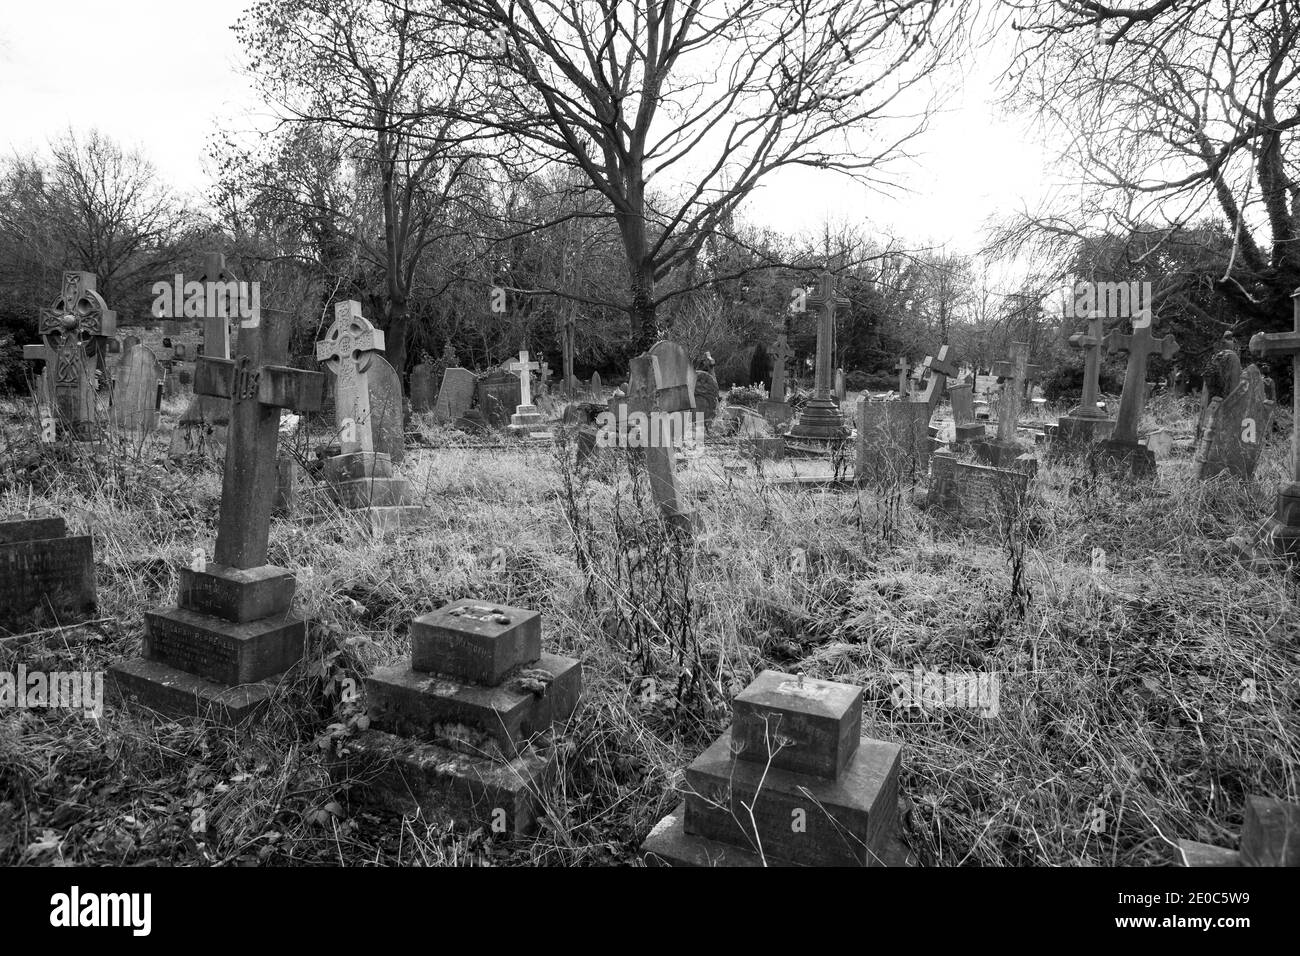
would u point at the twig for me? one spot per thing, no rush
(61, 627)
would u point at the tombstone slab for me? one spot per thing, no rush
(136, 393)
(455, 396)
(423, 397)
(893, 440)
(46, 576)
(977, 496)
(1234, 428)
(387, 425)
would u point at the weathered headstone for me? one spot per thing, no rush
(903, 366)
(776, 409)
(656, 405)
(937, 372)
(74, 334)
(499, 394)
(46, 577)
(387, 423)
(966, 428)
(1005, 450)
(975, 495)
(1234, 429)
(820, 422)
(1121, 453)
(705, 391)
(422, 389)
(463, 730)
(1087, 422)
(597, 387)
(791, 782)
(893, 441)
(456, 396)
(222, 650)
(1278, 539)
(136, 393)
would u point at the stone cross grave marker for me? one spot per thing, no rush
(1090, 342)
(903, 367)
(780, 356)
(73, 334)
(1279, 537)
(821, 419)
(137, 392)
(1017, 372)
(1121, 452)
(218, 653)
(202, 424)
(527, 420)
(347, 350)
(1234, 431)
(937, 372)
(523, 368)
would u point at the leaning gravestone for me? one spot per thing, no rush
(136, 393)
(460, 730)
(386, 422)
(743, 794)
(422, 395)
(456, 396)
(1233, 429)
(1270, 836)
(46, 577)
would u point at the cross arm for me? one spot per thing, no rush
(1263, 343)
(278, 385)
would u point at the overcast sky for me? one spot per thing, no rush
(162, 75)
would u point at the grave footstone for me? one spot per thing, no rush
(47, 577)
(223, 650)
(422, 389)
(1121, 453)
(1270, 836)
(465, 729)
(456, 396)
(136, 392)
(1234, 428)
(791, 782)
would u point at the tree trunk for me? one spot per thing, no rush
(396, 334)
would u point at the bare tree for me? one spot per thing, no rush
(676, 111)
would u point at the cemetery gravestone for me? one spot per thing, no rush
(706, 391)
(526, 422)
(203, 425)
(422, 394)
(74, 333)
(1005, 450)
(893, 441)
(597, 387)
(793, 753)
(647, 401)
(975, 495)
(820, 424)
(1270, 836)
(46, 577)
(1087, 422)
(461, 730)
(222, 651)
(499, 394)
(136, 393)
(456, 396)
(1121, 453)
(841, 390)
(937, 372)
(1233, 429)
(387, 423)
(966, 428)
(1278, 539)
(776, 409)
(903, 366)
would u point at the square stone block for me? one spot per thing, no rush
(848, 821)
(45, 580)
(31, 529)
(220, 650)
(176, 695)
(371, 492)
(475, 641)
(820, 723)
(356, 465)
(235, 594)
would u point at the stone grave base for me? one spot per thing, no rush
(527, 423)
(1005, 455)
(1122, 458)
(776, 413)
(1075, 432)
(363, 485)
(406, 776)
(1275, 544)
(172, 693)
(969, 432)
(670, 845)
(973, 495)
(820, 422)
(422, 705)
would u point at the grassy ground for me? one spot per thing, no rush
(1137, 705)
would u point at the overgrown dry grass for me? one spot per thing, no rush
(1125, 718)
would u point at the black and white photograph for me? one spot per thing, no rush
(650, 434)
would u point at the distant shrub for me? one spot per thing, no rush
(748, 397)
(856, 380)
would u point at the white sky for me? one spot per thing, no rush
(161, 75)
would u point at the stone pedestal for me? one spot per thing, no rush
(1076, 432)
(527, 422)
(820, 423)
(221, 651)
(463, 731)
(1122, 458)
(776, 413)
(968, 432)
(1275, 543)
(46, 577)
(791, 782)
(363, 483)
